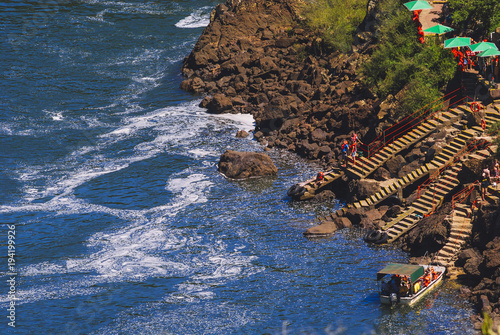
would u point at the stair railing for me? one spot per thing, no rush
(457, 157)
(388, 135)
(460, 197)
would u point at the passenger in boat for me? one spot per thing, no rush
(427, 277)
(405, 286)
(433, 274)
(319, 178)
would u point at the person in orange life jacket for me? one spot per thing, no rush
(319, 178)
(345, 151)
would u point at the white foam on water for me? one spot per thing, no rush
(144, 246)
(202, 153)
(245, 121)
(150, 8)
(49, 291)
(6, 129)
(200, 18)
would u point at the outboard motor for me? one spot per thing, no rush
(393, 297)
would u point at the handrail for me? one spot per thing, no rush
(448, 177)
(418, 111)
(459, 197)
(380, 145)
(457, 157)
(400, 128)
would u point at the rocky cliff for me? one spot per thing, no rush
(256, 57)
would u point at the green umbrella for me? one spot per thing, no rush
(417, 5)
(456, 42)
(438, 29)
(489, 53)
(482, 46)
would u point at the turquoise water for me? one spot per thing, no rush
(122, 223)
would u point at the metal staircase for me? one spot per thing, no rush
(366, 166)
(427, 202)
(448, 154)
(424, 205)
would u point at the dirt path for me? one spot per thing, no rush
(430, 17)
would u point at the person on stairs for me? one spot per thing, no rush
(345, 152)
(485, 182)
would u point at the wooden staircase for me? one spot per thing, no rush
(461, 229)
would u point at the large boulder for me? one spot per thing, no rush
(324, 229)
(430, 234)
(241, 165)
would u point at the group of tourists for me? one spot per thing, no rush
(467, 60)
(350, 148)
(401, 284)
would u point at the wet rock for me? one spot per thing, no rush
(241, 165)
(242, 134)
(354, 215)
(324, 229)
(343, 222)
(219, 104)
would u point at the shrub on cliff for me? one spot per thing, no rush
(481, 15)
(337, 20)
(402, 62)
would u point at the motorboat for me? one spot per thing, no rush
(407, 283)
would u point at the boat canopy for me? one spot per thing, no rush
(413, 271)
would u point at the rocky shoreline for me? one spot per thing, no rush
(257, 57)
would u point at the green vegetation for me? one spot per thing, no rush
(487, 326)
(483, 15)
(402, 62)
(337, 20)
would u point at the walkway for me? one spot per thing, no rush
(428, 202)
(461, 229)
(366, 166)
(447, 155)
